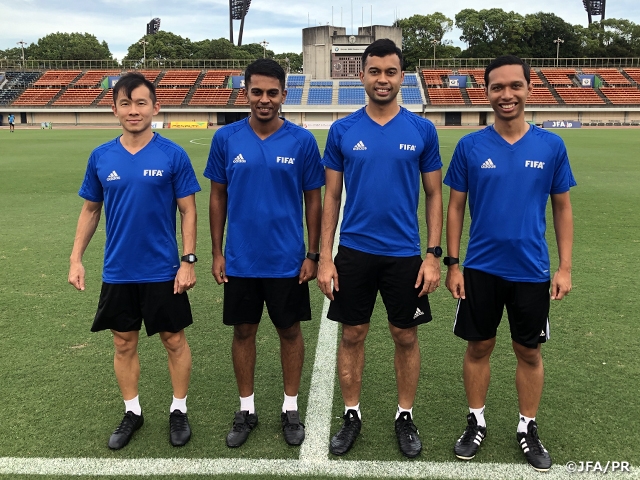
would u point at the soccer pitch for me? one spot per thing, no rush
(61, 400)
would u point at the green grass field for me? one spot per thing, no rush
(60, 397)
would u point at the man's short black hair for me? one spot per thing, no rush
(128, 82)
(507, 60)
(266, 67)
(381, 48)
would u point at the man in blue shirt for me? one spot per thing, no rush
(12, 121)
(261, 169)
(381, 151)
(508, 171)
(141, 178)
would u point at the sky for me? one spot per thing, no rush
(121, 23)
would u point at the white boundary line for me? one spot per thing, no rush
(313, 460)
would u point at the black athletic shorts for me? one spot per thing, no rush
(361, 275)
(479, 314)
(123, 306)
(287, 301)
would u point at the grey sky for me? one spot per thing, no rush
(278, 22)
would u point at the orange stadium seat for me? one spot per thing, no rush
(610, 76)
(433, 78)
(579, 96)
(634, 73)
(216, 77)
(211, 96)
(93, 77)
(37, 96)
(622, 95)
(477, 96)
(150, 75)
(171, 96)
(445, 96)
(57, 78)
(180, 78)
(78, 96)
(558, 76)
(107, 99)
(541, 96)
(476, 74)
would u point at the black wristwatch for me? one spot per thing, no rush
(435, 251)
(451, 261)
(313, 256)
(189, 258)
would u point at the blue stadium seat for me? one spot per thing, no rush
(295, 80)
(320, 96)
(411, 95)
(351, 96)
(321, 83)
(350, 83)
(294, 96)
(410, 80)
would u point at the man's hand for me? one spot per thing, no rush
(308, 272)
(561, 284)
(428, 276)
(455, 282)
(76, 275)
(326, 273)
(219, 269)
(185, 278)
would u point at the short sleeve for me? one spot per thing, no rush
(457, 173)
(563, 178)
(430, 160)
(313, 171)
(185, 182)
(91, 188)
(215, 169)
(333, 157)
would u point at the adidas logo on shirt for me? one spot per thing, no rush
(418, 313)
(239, 159)
(488, 164)
(359, 146)
(113, 176)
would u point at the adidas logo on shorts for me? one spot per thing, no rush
(418, 313)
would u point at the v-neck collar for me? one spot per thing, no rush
(270, 136)
(119, 141)
(507, 144)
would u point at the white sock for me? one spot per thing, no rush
(524, 423)
(400, 410)
(133, 405)
(179, 404)
(356, 408)
(246, 403)
(290, 403)
(479, 413)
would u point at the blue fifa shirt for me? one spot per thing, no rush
(382, 166)
(508, 189)
(139, 194)
(265, 183)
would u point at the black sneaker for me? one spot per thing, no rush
(179, 429)
(292, 428)
(121, 436)
(407, 435)
(344, 439)
(532, 447)
(468, 444)
(243, 423)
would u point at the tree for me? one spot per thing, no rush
(419, 31)
(294, 61)
(69, 46)
(493, 32)
(161, 45)
(14, 53)
(214, 49)
(547, 27)
(255, 50)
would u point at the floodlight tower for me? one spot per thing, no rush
(237, 11)
(594, 7)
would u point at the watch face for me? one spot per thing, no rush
(437, 251)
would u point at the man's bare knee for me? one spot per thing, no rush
(478, 350)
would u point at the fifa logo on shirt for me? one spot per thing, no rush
(153, 173)
(285, 160)
(404, 146)
(534, 164)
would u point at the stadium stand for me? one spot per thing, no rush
(351, 96)
(476, 74)
(150, 75)
(93, 77)
(37, 96)
(171, 96)
(411, 95)
(107, 100)
(634, 74)
(434, 78)
(320, 96)
(477, 96)
(21, 79)
(216, 78)
(622, 95)
(241, 100)
(82, 97)
(294, 96)
(350, 83)
(410, 80)
(579, 96)
(445, 96)
(610, 76)
(541, 96)
(211, 96)
(57, 78)
(558, 76)
(321, 83)
(7, 95)
(179, 78)
(295, 80)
